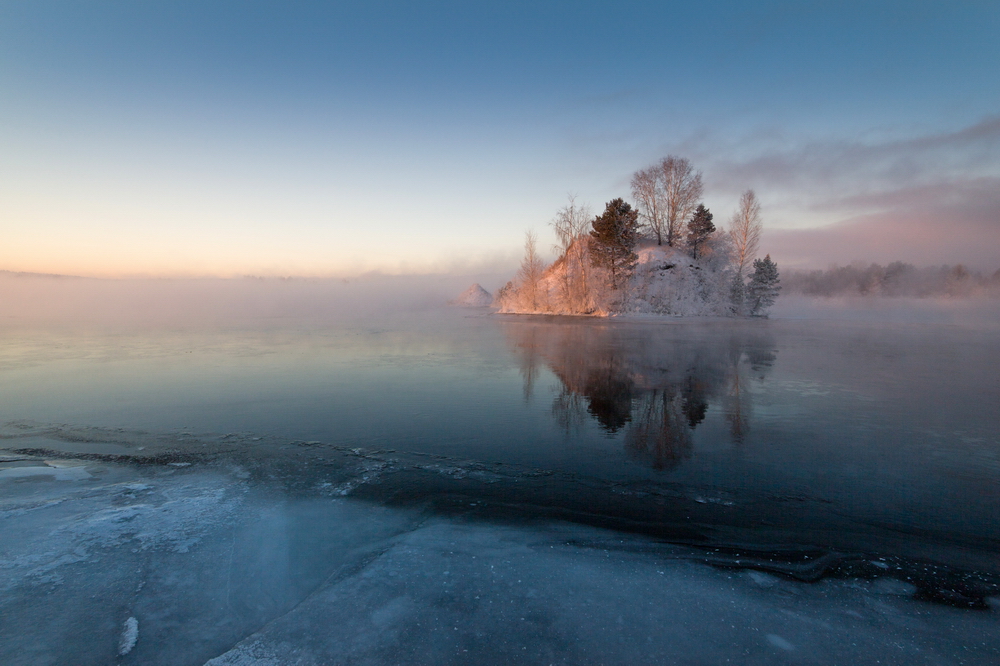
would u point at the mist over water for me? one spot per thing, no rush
(980, 312)
(27, 300)
(266, 457)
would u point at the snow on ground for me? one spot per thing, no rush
(474, 297)
(666, 281)
(671, 282)
(208, 563)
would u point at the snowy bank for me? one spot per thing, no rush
(664, 281)
(473, 297)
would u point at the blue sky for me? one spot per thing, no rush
(230, 138)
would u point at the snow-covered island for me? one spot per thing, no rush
(474, 297)
(663, 256)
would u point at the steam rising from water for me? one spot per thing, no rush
(28, 300)
(41, 300)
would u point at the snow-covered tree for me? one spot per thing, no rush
(666, 194)
(571, 224)
(682, 188)
(700, 227)
(744, 231)
(744, 236)
(738, 294)
(530, 273)
(647, 191)
(613, 241)
(526, 292)
(504, 297)
(763, 288)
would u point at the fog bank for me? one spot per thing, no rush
(27, 299)
(974, 312)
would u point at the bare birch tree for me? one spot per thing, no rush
(648, 197)
(681, 189)
(744, 230)
(666, 195)
(571, 222)
(530, 273)
(571, 225)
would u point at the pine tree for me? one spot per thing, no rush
(700, 227)
(614, 237)
(763, 288)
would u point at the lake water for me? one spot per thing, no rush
(448, 486)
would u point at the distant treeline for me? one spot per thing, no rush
(895, 279)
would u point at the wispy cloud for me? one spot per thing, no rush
(945, 223)
(847, 168)
(928, 199)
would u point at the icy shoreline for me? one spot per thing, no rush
(239, 550)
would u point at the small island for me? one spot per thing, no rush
(663, 256)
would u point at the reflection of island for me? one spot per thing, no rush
(655, 383)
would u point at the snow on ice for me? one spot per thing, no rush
(226, 566)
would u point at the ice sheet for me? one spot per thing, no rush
(210, 562)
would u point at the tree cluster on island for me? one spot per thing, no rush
(662, 256)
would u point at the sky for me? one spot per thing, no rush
(212, 138)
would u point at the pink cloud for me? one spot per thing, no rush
(956, 222)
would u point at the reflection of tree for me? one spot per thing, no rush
(736, 403)
(655, 384)
(661, 432)
(528, 358)
(569, 410)
(760, 359)
(695, 401)
(608, 390)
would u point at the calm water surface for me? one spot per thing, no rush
(877, 424)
